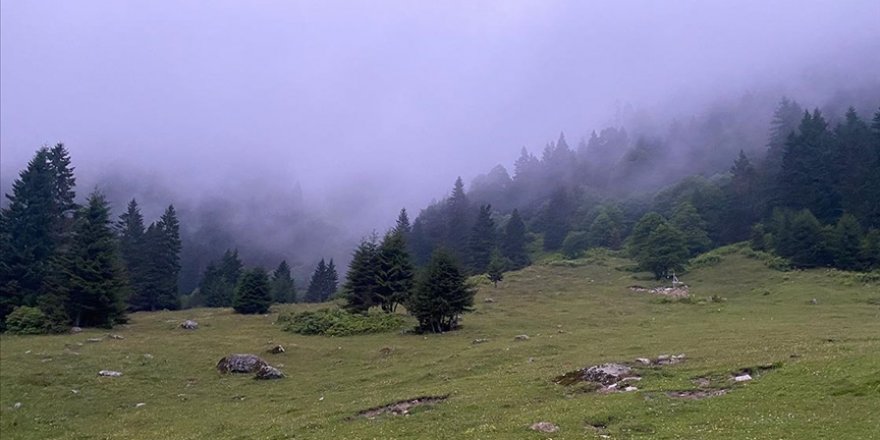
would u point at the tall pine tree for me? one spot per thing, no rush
(513, 242)
(282, 286)
(482, 241)
(394, 272)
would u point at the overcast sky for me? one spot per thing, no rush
(375, 105)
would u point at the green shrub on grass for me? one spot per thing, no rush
(26, 320)
(338, 322)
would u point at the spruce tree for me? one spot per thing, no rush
(687, 220)
(808, 246)
(497, 266)
(442, 295)
(330, 282)
(395, 278)
(785, 123)
(457, 220)
(362, 279)
(317, 284)
(219, 280)
(95, 280)
(807, 178)
(252, 293)
(513, 242)
(283, 290)
(403, 227)
(132, 253)
(557, 219)
(742, 200)
(482, 241)
(869, 256)
(846, 243)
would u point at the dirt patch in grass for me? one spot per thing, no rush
(401, 407)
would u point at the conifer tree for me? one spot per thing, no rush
(441, 295)
(132, 252)
(457, 219)
(330, 282)
(403, 227)
(807, 247)
(161, 267)
(742, 200)
(219, 280)
(513, 243)
(362, 281)
(557, 219)
(395, 278)
(95, 283)
(283, 290)
(637, 242)
(807, 176)
(869, 256)
(252, 293)
(482, 241)
(315, 291)
(847, 242)
(785, 123)
(497, 266)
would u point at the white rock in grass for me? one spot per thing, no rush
(109, 373)
(742, 378)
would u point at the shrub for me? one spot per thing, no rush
(26, 320)
(338, 322)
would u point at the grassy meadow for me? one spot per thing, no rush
(576, 313)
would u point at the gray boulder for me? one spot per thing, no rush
(189, 324)
(606, 374)
(240, 363)
(267, 372)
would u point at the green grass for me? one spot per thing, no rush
(576, 314)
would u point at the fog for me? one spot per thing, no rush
(341, 113)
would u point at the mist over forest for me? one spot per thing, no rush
(272, 136)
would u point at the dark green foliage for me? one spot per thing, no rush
(557, 219)
(132, 250)
(252, 294)
(637, 243)
(25, 320)
(283, 290)
(575, 244)
(606, 230)
(403, 227)
(664, 251)
(785, 123)
(337, 322)
(441, 295)
(846, 243)
(154, 261)
(686, 219)
(758, 238)
(95, 283)
(869, 256)
(497, 266)
(362, 280)
(513, 242)
(805, 246)
(458, 220)
(807, 178)
(482, 241)
(323, 284)
(219, 280)
(394, 272)
(742, 199)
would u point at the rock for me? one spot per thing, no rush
(148, 356)
(76, 330)
(479, 341)
(240, 363)
(140, 405)
(488, 300)
(521, 337)
(109, 373)
(112, 336)
(17, 405)
(643, 361)
(606, 374)
(663, 357)
(189, 324)
(630, 388)
(278, 349)
(74, 391)
(742, 378)
(27, 352)
(267, 372)
(94, 340)
(544, 427)
(814, 301)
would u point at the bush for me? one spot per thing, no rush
(338, 322)
(26, 320)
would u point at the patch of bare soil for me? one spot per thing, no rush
(401, 407)
(696, 394)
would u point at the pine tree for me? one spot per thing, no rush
(315, 292)
(362, 280)
(482, 241)
(95, 280)
(557, 219)
(687, 220)
(665, 250)
(403, 227)
(330, 282)
(394, 277)
(132, 253)
(785, 123)
(513, 243)
(497, 266)
(847, 242)
(869, 256)
(441, 295)
(742, 200)
(160, 254)
(64, 194)
(219, 280)
(283, 290)
(807, 247)
(854, 158)
(252, 293)
(457, 220)
(807, 175)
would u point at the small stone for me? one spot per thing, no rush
(148, 356)
(189, 324)
(17, 405)
(814, 301)
(93, 340)
(630, 388)
(76, 330)
(112, 336)
(278, 349)
(521, 337)
(27, 352)
(488, 300)
(544, 427)
(74, 391)
(140, 405)
(742, 378)
(479, 341)
(531, 359)
(109, 373)
(643, 361)
(267, 372)
(663, 357)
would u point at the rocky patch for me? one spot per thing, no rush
(680, 291)
(401, 407)
(189, 324)
(546, 427)
(240, 363)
